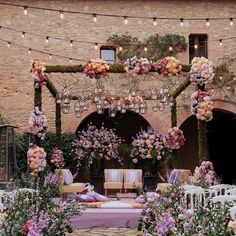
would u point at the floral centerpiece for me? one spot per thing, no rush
(137, 66)
(38, 123)
(204, 175)
(36, 159)
(201, 71)
(175, 138)
(96, 68)
(94, 143)
(57, 158)
(201, 105)
(168, 66)
(37, 69)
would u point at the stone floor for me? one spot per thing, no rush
(105, 232)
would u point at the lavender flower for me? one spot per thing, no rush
(165, 226)
(50, 179)
(174, 177)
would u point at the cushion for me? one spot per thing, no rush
(114, 176)
(85, 198)
(132, 176)
(68, 177)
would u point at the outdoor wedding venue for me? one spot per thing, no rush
(117, 118)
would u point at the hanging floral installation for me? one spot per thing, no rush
(202, 71)
(36, 159)
(37, 70)
(154, 144)
(94, 143)
(137, 66)
(204, 175)
(57, 158)
(38, 123)
(96, 69)
(201, 105)
(168, 66)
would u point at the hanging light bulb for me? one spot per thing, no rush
(50, 56)
(47, 40)
(120, 48)
(212, 90)
(220, 42)
(25, 10)
(228, 87)
(8, 44)
(207, 22)
(5, 90)
(94, 17)
(125, 20)
(71, 43)
(195, 46)
(234, 78)
(23, 35)
(145, 49)
(181, 22)
(30, 51)
(70, 60)
(220, 77)
(154, 21)
(96, 46)
(231, 21)
(16, 92)
(61, 14)
(170, 48)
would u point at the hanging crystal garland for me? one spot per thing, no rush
(65, 99)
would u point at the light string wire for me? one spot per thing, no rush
(115, 15)
(47, 37)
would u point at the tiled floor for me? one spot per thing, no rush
(105, 232)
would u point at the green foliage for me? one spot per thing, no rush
(124, 152)
(158, 46)
(22, 145)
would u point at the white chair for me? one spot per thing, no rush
(223, 199)
(231, 191)
(221, 188)
(194, 197)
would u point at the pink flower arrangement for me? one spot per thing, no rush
(137, 66)
(201, 71)
(96, 68)
(95, 143)
(168, 66)
(37, 70)
(26, 227)
(57, 158)
(38, 123)
(36, 159)
(201, 105)
(175, 138)
(204, 175)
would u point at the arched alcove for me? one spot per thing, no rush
(221, 135)
(126, 125)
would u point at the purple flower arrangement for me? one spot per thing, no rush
(38, 123)
(94, 143)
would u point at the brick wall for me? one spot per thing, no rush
(14, 61)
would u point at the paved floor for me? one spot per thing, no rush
(105, 232)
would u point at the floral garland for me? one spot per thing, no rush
(96, 68)
(204, 175)
(36, 159)
(168, 66)
(95, 143)
(137, 66)
(38, 123)
(153, 144)
(201, 71)
(37, 70)
(201, 105)
(57, 158)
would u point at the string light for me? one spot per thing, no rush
(212, 90)
(221, 77)
(234, 78)
(94, 17)
(70, 60)
(25, 10)
(71, 43)
(120, 48)
(231, 21)
(207, 22)
(23, 35)
(5, 90)
(170, 48)
(154, 21)
(145, 49)
(30, 51)
(125, 20)
(220, 42)
(47, 40)
(50, 56)
(61, 14)
(195, 46)
(96, 46)
(16, 92)
(181, 22)
(228, 87)
(8, 44)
